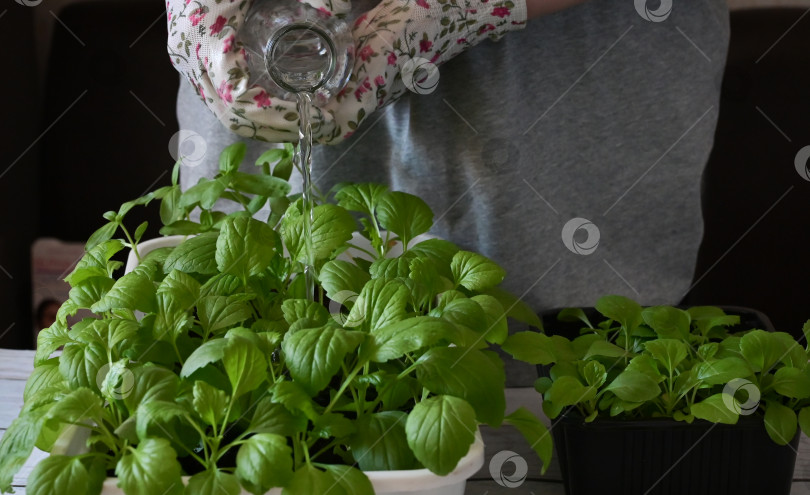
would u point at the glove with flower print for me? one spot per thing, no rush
(392, 41)
(399, 45)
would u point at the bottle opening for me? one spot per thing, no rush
(300, 58)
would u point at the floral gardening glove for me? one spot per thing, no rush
(202, 46)
(398, 45)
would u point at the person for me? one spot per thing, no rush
(570, 151)
(45, 313)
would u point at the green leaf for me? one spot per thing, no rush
(108, 333)
(333, 425)
(64, 474)
(380, 443)
(245, 366)
(206, 192)
(467, 313)
(314, 355)
(151, 382)
(95, 261)
(721, 371)
(535, 433)
(404, 214)
(213, 482)
(299, 309)
(792, 382)
(335, 480)
(440, 252)
(406, 336)
(804, 419)
(568, 390)
(194, 255)
(221, 312)
(140, 231)
(593, 372)
(90, 290)
(644, 363)
(78, 405)
(604, 348)
(45, 374)
(293, 396)
(685, 382)
(209, 352)
(150, 468)
(245, 246)
(264, 461)
(390, 268)
(271, 156)
(273, 417)
(103, 234)
(633, 386)
(440, 431)
(332, 227)
(761, 349)
(362, 197)
(221, 284)
(49, 340)
(475, 271)
(158, 414)
(182, 289)
(621, 309)
(133, 291)
(667, 322)
(17, 444)
(530, 347)
(262, 185)
(780, 423)
(497, 329)
(380, 303)
(232, 156)
(170, 210)
(466, 373)
(794, 355)
(209, 402)
(571, 315)
(708, 351)
(716, 408)
(80, 363)
(669, 352)
(338, 276)
(348, 480)
(184, 227)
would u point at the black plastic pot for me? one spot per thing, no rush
(668, 457)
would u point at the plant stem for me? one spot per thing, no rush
(343, 386)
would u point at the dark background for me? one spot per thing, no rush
(88, 127)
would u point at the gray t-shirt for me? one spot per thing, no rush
(592, 124)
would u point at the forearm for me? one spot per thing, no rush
(537, 8)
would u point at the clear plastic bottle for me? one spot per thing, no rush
(292, 48)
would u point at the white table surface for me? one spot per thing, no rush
(15, 366)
